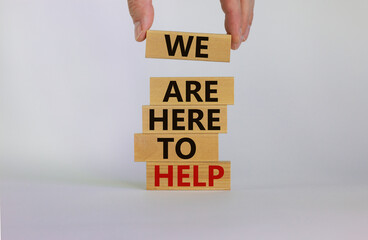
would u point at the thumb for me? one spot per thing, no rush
(232, 12)
(142, 15)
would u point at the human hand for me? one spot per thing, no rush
(238, 18)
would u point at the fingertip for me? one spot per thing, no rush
(235, 46)
(236, 40)
(142, 37)
(138, 31)
(233, 22)
(142, 13)
(246, 34)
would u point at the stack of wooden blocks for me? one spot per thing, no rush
(179, 142)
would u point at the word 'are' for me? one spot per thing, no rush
(191, 89)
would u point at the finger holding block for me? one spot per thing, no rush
(175, 147)
(188, 175)
(188, 46)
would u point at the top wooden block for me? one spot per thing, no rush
(188, 46)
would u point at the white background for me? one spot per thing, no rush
(72, 83)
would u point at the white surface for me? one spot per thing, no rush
(88, 211)
(72, 82)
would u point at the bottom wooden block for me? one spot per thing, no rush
(188, 175)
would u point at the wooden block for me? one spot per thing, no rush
(191, 90)
(175, 147)
(184, 119)
(188, 46)
(188, 175)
